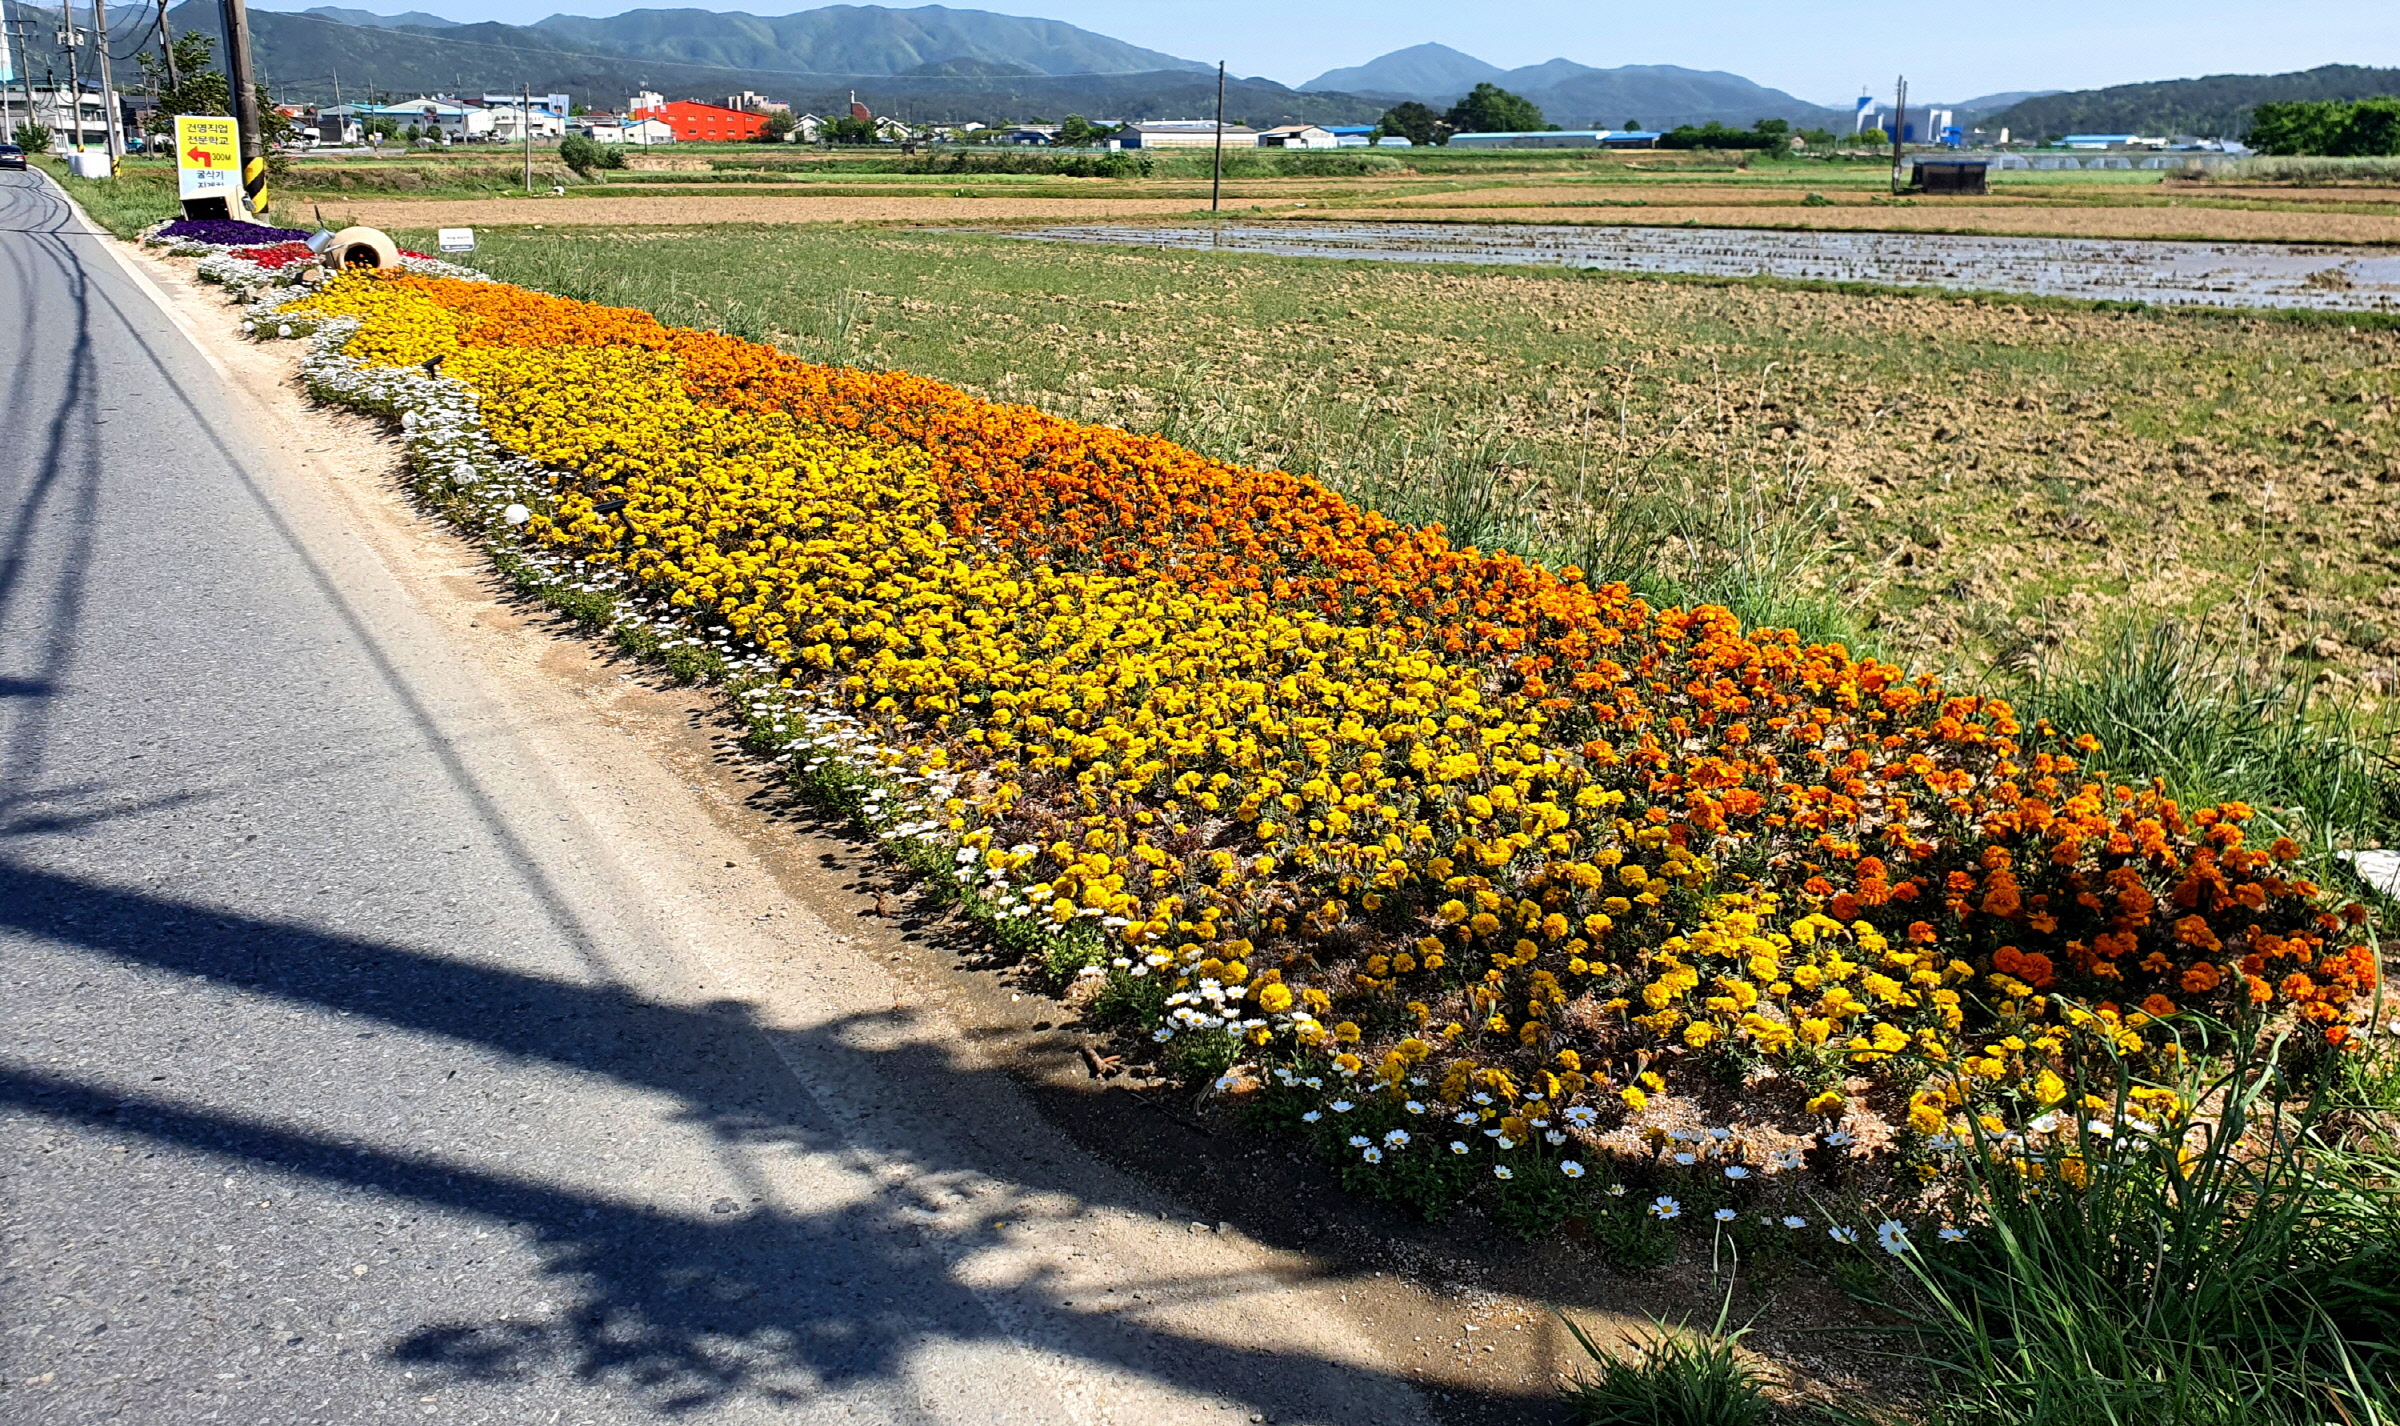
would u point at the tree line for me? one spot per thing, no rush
(2363, 128)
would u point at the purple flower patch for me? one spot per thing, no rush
(229, 233)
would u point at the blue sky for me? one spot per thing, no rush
(1820, 52)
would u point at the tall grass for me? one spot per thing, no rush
(1677, 1378)
(2238, 1264)
(2220, 720)
(2308, 170)
(140, 194)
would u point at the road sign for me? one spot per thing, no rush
(208, 157)
(457, 240)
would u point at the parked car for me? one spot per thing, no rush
(11, 156)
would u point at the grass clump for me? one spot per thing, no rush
(2218, 1252)
(2219, 724)
(1677, 1378)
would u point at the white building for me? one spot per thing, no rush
(1185, 134)
(641, 133)
(1298, 136)
(510, 122)
(647, 99)
(555, 103)
(55, 110)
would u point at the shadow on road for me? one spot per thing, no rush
(679, 1311)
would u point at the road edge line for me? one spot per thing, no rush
(149, 287)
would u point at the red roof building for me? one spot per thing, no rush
(705, 123)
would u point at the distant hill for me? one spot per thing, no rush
(2212, 107)
(1417, 70)
(856, 39)
(381, 22)
(1983, 106)
(300, 57)
(1578, 96)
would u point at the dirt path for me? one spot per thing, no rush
(1138, 1298)
(635, 212)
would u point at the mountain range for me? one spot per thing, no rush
(929, 64)
(1577, 96)
(2213, 106)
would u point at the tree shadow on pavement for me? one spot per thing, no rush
(686, 1310)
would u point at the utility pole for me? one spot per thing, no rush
(240, 80)
(25, 76)
(108, 89)
(166, 45)
(1899, 126)
(526, 115)
(68, 41)
(1216, 172)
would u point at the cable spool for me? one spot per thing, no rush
(362, 247)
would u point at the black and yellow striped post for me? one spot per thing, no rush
(254, 186)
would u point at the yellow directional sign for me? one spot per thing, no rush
(208, 157)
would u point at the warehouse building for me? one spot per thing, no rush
(1185, 134)
(696, 123)
(1536, 139)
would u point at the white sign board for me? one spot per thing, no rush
(458, 240)
(208, 158)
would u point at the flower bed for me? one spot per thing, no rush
(1450, 862)
(242, 255)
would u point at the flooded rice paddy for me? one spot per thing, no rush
(2102, 269)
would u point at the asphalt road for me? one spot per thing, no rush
(347, 1075)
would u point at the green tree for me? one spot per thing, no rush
(1489, 109)
(777, 127)
(579, 154)
(31, 137)
(1076, 130)
(1416, 123)
(2299, 126)
(1873, 138)
(2373, 130)
(200, 86)
(2369, 128)
(381, 127)
(1713, 135)
(846, 130)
